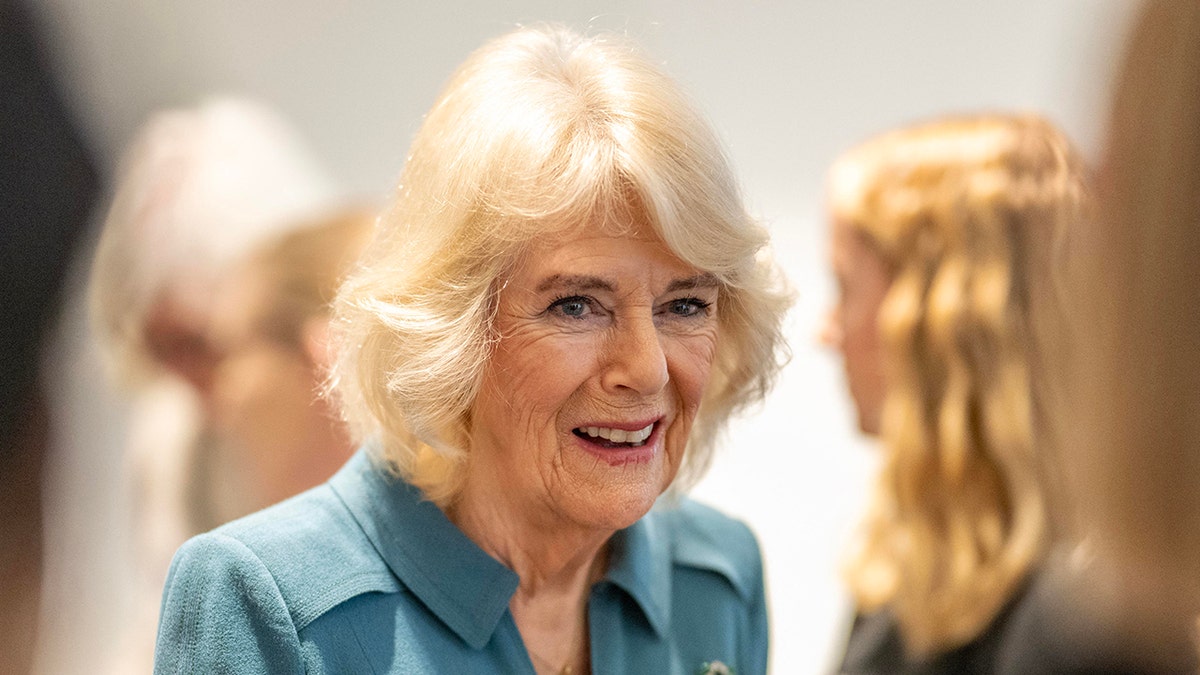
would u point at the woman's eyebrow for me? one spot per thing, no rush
(575, 282)
(702, 280)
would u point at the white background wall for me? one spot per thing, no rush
(788, 84)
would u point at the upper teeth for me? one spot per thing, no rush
(620, 435)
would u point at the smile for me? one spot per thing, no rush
(612, 438)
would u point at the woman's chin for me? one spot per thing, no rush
(606, 512)
(611, 488)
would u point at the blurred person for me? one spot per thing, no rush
(270, 330)
(1130, 420)
(939, 233)
(557, 314)
(48, 184)
(199, 188)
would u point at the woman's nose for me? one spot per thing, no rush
(637, 361)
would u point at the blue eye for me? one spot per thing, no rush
(687, 306)
(574, 306)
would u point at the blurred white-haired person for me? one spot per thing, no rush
(558, 312)
(198, 189)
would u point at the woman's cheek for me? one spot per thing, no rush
(694, 364)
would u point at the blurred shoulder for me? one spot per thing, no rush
(1054, 629)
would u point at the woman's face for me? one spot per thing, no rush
(265, 396)
(852, 327)
(604, 349)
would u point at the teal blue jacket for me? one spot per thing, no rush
(362, 575)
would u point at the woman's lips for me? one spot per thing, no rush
(620, 444)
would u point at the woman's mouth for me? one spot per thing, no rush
(636, 443)
(615, 438)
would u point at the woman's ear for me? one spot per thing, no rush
(314, 338)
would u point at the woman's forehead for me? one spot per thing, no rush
(599, 253)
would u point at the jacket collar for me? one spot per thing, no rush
(640, 565)
(462, 585)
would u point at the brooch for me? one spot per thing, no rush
(715, 668)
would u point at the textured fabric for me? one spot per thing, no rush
(361, 575)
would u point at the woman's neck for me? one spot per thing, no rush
(557, 564)
(552, 620)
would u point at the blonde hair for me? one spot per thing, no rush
(539, 131)
(966, 211)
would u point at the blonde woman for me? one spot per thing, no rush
(557, 314)
(940, 231)
(270, 330)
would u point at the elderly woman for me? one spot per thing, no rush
(557, 314)
(940, 231)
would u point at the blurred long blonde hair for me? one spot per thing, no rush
(968, 213)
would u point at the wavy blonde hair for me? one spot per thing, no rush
(968, 213)
(539, 131)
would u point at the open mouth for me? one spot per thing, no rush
(609, 438)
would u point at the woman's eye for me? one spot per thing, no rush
(574, 306)
(687, 306)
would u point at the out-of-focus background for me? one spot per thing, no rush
(787, 84)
